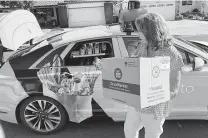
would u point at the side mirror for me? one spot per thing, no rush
(198, 64)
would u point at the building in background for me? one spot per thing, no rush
(5, 9)
(85, 13)
(188, 5)
(67, 13)
(204, 7)
(165, 8)
(64, 13)
(47, 13)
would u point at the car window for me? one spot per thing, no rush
(49, 58)
(83, 53)
(191, 57)
(183, 54)
(20, 61)
(130, 40)
(188, 58)
(191, 44)
(204, 47)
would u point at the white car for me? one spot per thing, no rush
(23, 99)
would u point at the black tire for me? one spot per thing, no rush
(31, 115)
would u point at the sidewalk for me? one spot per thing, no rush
(188, 27)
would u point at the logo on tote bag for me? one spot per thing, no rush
(118, 73)
(156, 72)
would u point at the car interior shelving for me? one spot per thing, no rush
(84, 53)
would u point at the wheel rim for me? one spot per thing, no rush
(42, 115)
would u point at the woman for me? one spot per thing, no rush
(155, 41)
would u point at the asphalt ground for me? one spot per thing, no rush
(106, 128)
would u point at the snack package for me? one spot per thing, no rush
(97, 48)
(82, 88)
(90, 49)
(83, 50)
(104, 47)
(98, 63)
(75, 53)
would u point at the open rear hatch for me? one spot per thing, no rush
(17, 28)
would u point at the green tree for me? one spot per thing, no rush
(18, 4)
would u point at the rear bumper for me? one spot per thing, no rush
(7, 112)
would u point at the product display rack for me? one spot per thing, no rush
(90, 55)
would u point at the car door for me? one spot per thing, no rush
(125, 42)
(79, 58)
(191, 102)
(192, 99)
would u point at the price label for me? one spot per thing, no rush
(165, 64)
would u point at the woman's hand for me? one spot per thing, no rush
(97, 63)
(66, 74)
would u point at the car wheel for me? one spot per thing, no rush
(43, 115)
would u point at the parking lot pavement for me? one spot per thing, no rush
(188, 27)
(109, 129)
(203, 37)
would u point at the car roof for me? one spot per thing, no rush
(94, 31)
(51, 33)
(77, 34)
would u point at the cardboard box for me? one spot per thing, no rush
(137, 82)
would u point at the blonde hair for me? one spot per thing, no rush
(155, 30)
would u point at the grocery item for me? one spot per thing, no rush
(90, 49)
(104, 47)
(75, 53)
(97, 48)
(83, 49)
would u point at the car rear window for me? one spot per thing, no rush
(26, 61)
(49, 58)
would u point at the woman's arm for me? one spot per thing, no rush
(175, 79)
